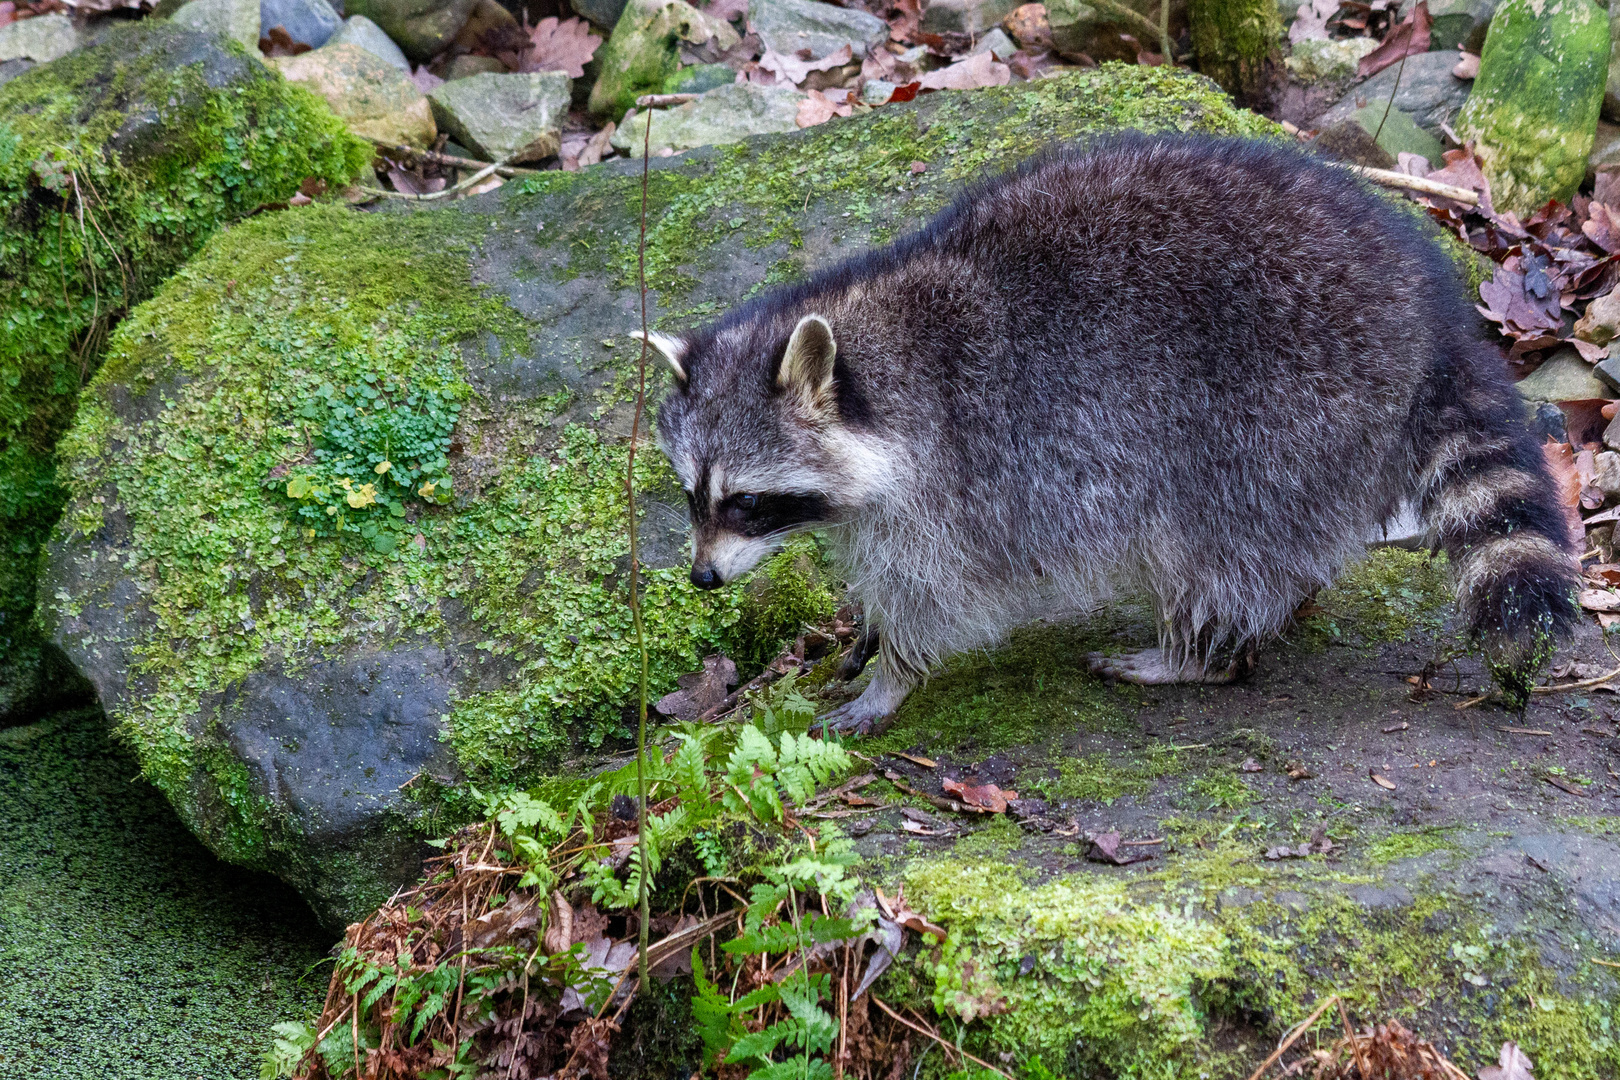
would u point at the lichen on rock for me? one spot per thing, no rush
(116, 163)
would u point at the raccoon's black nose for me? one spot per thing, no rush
(705, 577)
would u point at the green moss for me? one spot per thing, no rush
(1097, 982)
(1222, 790)
(1410, 845)
(131, 953)
(1233, 40)
(1101, 778)
(1036, 686)
(1389, 596)
(849, 168)
(89, 230)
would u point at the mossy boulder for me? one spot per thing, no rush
(1235, 40)
(310, 675)
(116, 163)
(1534, 107)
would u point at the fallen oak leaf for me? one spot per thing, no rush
(1382, 781)
(1514, 1064)
(1310, 21)
(1408, 38)
(795, 69)
(566, 46)
(980, 69)
(986, 796)
(700, 690)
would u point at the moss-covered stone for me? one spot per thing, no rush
(1534, 107)
(643, 53)
(282, 687)
(116, 163)
(1234, 40)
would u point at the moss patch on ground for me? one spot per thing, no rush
(116, 163)
(130, 951)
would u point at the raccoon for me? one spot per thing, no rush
(1199, 369)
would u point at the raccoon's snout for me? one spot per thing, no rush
(705, 576)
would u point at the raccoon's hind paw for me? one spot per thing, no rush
(1150, 668)
(868, 714)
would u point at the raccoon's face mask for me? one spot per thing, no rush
(747, 455)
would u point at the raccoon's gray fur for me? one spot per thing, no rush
(1202, 369)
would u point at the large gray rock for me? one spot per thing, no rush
(40, 39)
(727, 114)
(306, 701)
(419, 27)
(309, 21)
(510, 117)
(1315, 61)
(1429, 93)
(235, 20)
(361, 31)
(790, 25)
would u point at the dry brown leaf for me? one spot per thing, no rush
(985, 796)
(1514, 1064)
(1409, 37)
(1310, 21)
(980, 69)
(700, 690)
(917, 759)
(795, 69)
(565, 46)
(817, 108)
(1381, 781)
(277, 42)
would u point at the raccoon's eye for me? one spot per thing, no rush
(747, 502)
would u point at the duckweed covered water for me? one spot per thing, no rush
(126, 949)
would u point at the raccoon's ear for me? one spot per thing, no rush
(672, 349)
(807, 363)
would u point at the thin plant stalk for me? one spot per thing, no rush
(643, 884)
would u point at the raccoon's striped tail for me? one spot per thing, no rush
(1490, 502)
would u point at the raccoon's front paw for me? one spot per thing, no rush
(851, 718)
(1150, 668)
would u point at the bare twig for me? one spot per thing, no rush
(476, 178)
(1293, 1035)
(949, 1048)
(643, 885)
(1582, 685)
(435, 157)
(1112, 9)
(1420, 184)
(659, 101)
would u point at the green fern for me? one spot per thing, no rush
(292, 1040)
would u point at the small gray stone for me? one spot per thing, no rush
(790, 25)
(877, 92)
(602, 13)
(234, 20)
(512, 117)
(1563, 376)
(40, 39)
(997, 44)
(421, 28)
(361, 31)
(1608, 370)
(309, 21)
(700, 79)
(1429, 93)
(965, 16)
(1317, 61)
(1608, 473)
(725, 115)
(465, 67)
